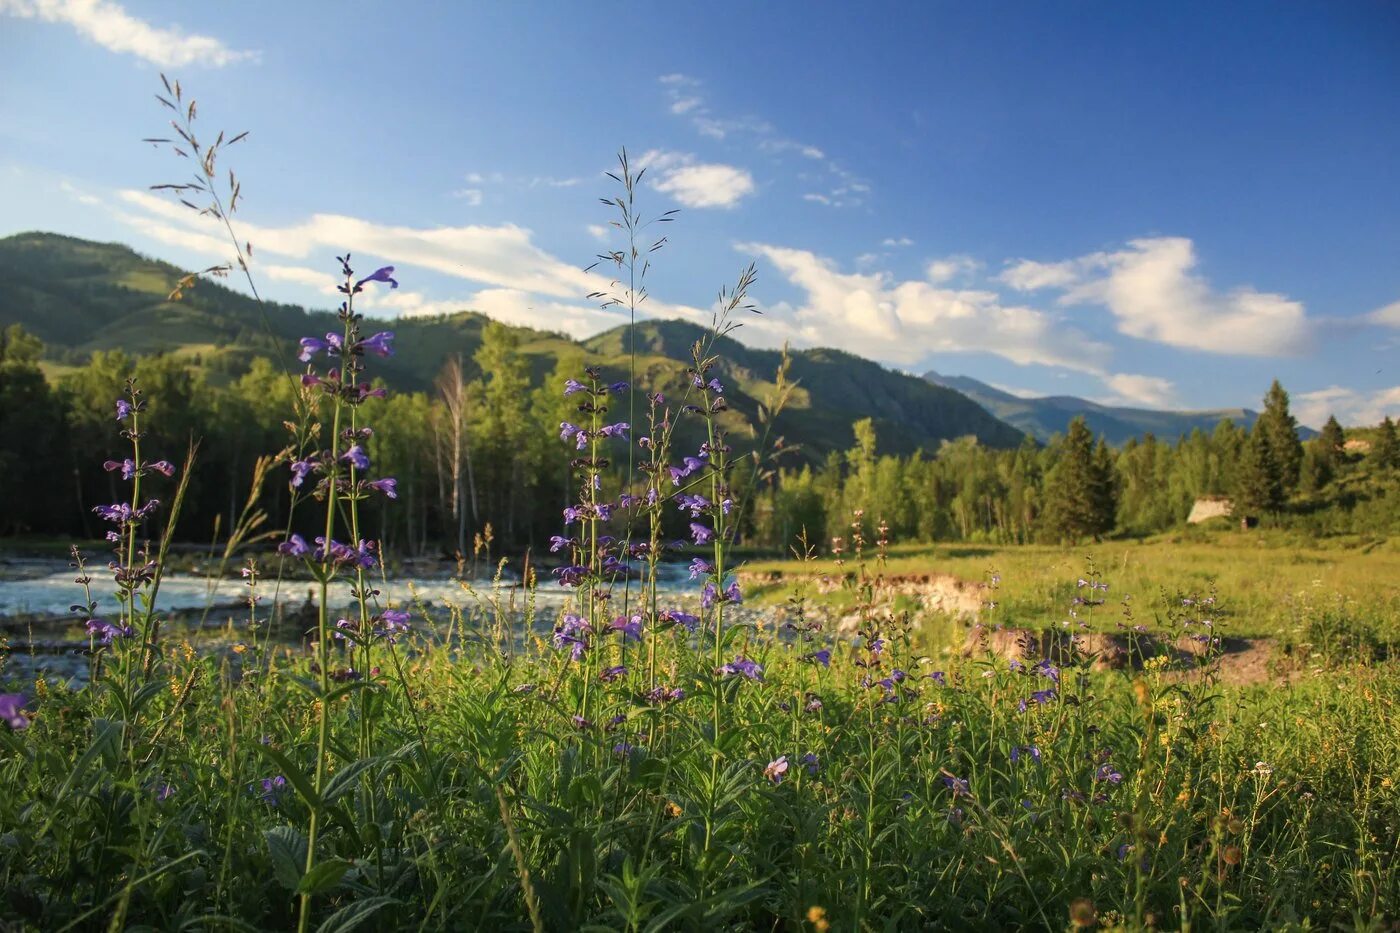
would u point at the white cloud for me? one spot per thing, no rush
(1027, 275)
(472, 196)
(1153, 290)
(896, 242)
(498, 256)
(598, 231)
(1351, 406)
(683, 105)
(948, 268)
(323, 282)
(907, 322)
(77, 194)
(1149, 391)
(697, 184)
(1389, 315)
(110, 26)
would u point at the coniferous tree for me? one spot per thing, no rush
(1105, 490)
(1385, 450)
(1281, 434)
(1257, 485)
(1073, 492)
(1331, 442)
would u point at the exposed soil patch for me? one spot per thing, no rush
(1234, 660)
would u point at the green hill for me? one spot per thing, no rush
(80, 296)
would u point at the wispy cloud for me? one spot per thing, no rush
(694, 183)
(1148, 391)
(1351, 406)
(1389, 316)
(112, 27)
(834, 186)
(1154, 292)
(472, 196)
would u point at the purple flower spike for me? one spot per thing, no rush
(294, 546)
(700, 533)
(743, 667)
(310, 346)
(386, 274)
(12, 711)
(356, 457)
(573, 387)
(378, 344)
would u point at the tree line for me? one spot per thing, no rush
(478, 462)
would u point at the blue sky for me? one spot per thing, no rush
(1166, 205)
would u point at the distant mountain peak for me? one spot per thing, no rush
(1045, 416)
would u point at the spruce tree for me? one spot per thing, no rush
(1281, 434)
(1385, 450)
(1332, 441)
(1105, 490)
(1257, 485)
(1072, 497)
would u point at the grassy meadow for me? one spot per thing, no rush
(807, 744)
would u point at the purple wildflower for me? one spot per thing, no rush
(572, 575)
(1025, 751)
(388, 485)
(776, 769)
(123, 409)
(378, 344)
(939, 678)
(272, 789)
(386, 274)
(615, 430)
(356, 457)
(822, 657)
(959, 786)
(12, 711)
(743, 667)
(698, 567)
(105, 631)
(629, 626)
(300, 469)
(701, 533)
(610, 674)
(675, 616)
(294, 546)
(812, 763)
(1108, 773)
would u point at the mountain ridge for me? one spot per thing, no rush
(80, 296)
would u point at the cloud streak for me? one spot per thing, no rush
(112, 27)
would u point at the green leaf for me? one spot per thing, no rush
(287, 847)
(355, 913)
(344, 780)
(323, 876)
(294, 775)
